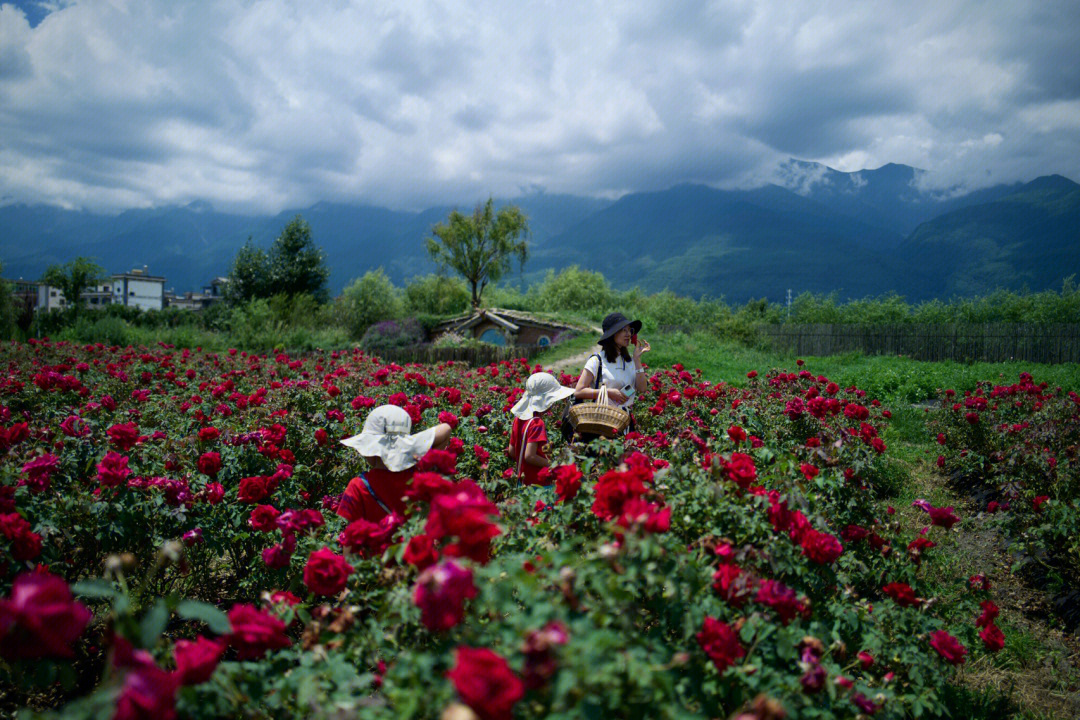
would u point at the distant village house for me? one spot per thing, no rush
(504, 327)
(212, 293)
(137, 288)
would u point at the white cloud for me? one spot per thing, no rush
(262, 105)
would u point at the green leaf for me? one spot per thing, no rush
(215, 619)
(97, 588)
(153, 624)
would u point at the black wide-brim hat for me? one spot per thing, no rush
(615, 322)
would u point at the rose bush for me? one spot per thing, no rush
(731, 554)
(1015, 447)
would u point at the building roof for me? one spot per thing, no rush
(138, 276)
(511, 320)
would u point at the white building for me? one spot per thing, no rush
(140, 289)
(136, 288)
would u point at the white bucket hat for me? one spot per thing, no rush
(386, 436)
(542, 391)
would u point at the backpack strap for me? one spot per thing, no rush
(521, 449)
(371, 492)
(599, 371)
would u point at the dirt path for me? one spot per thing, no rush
(573, 364)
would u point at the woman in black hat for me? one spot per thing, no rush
(614, 366)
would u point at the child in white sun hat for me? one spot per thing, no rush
(528, 436)
(391, 451)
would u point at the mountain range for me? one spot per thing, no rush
(858, 234)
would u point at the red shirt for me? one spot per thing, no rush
(535, 432)
(389, 487)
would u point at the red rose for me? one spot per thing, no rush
(210, 464)
(821, 547)
(40, 619)
(209, 434)
(278, 556)
(1038, 501)
(720, 643)
(326, 572)
(809, 471)
(264, 518)
(196, 659)
(25, 545)
(39, 470)
(214, 493)
(301, 522)
(737, 434)
(989, 613)
(440, 461)
(448, 418)
(943, 516)
(441, 592)
(992, 637)
(368, 539)
(124, 436)
(486, 683)
(645, 515)
(321, 437)
(541, 663)
(424, 486)
(148, 693)
(740, 469)
(948, 647)
(254, 632)
(113, 469)
(464, 513)
(613, 490)
(567, 482)
(902, 594)
(854, 533)
(733, 584)
(782, 599)
(252, 489)
(421, 551)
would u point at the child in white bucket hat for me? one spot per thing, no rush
(528, 434)
(391, 451)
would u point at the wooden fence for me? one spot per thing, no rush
(474, 356)
(989, 342)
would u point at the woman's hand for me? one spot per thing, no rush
(617, 397)
(642, 346)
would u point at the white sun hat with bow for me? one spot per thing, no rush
(542, 391)
(386, 435)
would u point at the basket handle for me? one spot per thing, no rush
(601, 398)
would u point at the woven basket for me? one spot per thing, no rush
(599, 418)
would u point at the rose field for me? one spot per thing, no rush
(759, 549)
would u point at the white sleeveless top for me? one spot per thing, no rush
(618, 375)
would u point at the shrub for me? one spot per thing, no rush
(390, 334)
(573, 289)
(367, 300)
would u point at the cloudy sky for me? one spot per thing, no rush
(263, 105)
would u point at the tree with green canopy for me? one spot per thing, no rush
(9, 308)
(249, 276)
(72, 278)
(295, 265)
(481, 246)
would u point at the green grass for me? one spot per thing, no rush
(893, 380)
